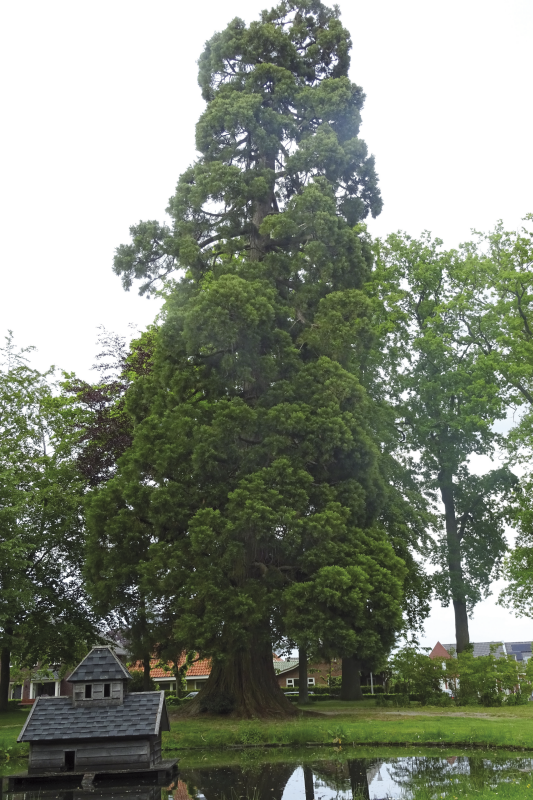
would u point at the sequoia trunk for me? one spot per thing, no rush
(453, 545)
(5, 656)
(260, 781)
(261, 209)
(351, 679)
(309, 784)
(357, 769)
(243, 685)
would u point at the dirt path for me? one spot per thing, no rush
(442, 714)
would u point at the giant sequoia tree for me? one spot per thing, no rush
(254, 466)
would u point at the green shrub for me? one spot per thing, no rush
(487, 679)
(415, 672)
(392, 699)
(173, 701)
(517, 699)
(136, 683)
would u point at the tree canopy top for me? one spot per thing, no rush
(304, 37)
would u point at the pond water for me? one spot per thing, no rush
(336, 776)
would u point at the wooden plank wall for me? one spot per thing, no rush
(156, 750)
(104, 755)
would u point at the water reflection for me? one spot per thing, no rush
(337, 777)
(343, 779)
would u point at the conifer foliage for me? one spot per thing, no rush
(254, 466)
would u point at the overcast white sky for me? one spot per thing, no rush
(99, 102)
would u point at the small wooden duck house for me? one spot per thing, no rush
(101, 728)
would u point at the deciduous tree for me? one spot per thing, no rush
(448, 397)
(43, 610)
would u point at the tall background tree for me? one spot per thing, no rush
(448, 399)
(104, 432)
(43, 609)
(501, 314)
(254, 466)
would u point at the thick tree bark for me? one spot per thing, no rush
(261, 209)
(309, 784)
(5, 657)
(358, 778)
(303, 691)
(146, 673)
(261, 781)
(453, 544)
(244, 686)
(351, 679)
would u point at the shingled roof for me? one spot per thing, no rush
(55, 718)
(100, 665)
(519, 650)
(482, 648)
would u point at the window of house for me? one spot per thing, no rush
(310, 681)
(290, 682)
(88, 691)
(107, 690)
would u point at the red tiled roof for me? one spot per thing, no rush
(181, 792)
(439, 652)
(202, 667)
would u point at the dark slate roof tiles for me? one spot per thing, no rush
(516, 649)
(54, 718)
(519, 650)
(100, 665)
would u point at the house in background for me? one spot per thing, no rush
(521, 651)
(286, 672)
(197, 674)
(318, 673)
(50, 682)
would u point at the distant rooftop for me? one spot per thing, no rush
(520, 650)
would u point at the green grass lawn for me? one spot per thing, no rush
(336, 723)
(11, 723)
(358, 724)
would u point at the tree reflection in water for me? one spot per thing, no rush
(344, 779)
(348, 776)
(254, 782)
(472, 772)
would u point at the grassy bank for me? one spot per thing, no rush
(10, 725)
(249, 757)
(365, 726)
(347, 725)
